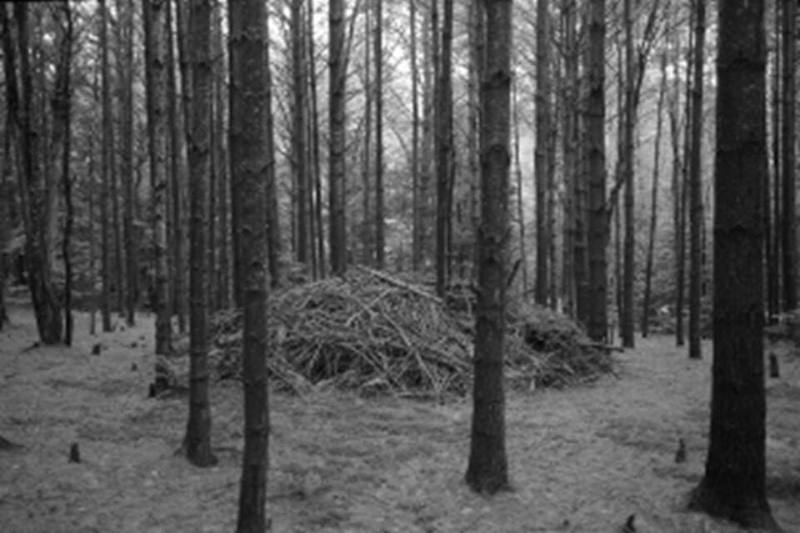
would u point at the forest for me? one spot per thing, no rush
(426, 265)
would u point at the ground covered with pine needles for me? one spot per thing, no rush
(367, 451)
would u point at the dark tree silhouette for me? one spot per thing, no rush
(250, 163)
(734, 483)
(488, 467)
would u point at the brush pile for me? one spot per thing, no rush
(376, 333)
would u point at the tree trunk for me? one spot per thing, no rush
(220, 278)
(772, 231)
(337, 146)
(179, 296)
(380, 236)
(156, 45)
(126, 37)
(542, 151)
(681, 258)
(648, 273)
(696, 187)
(314, 125)
(733, 486)
(105, 171)
(626, 324)
(487, 472)
(416, 201)
(523, 256)
(62, 115)
(367, 245)
(598, 219)
(197, 441)
(250, 132)
(35, 208)
(789, 233)
(299, 132)
(443, 140)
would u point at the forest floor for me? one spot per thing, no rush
(581, 459)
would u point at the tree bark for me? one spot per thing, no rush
(250, 161)
(626, 325)
(380, 235)
(648, 273)
(62, 113)
(789, 233)
(197, 441)
(337, 141)
(177, 166)
(542, 151)
(696, 187)
(416, 200)
(105, 171)
(126, 167)
(488, 466)
(35, 208)
(156, 44)
(299, 132)
(598, 218)
(443, 149)
(733, 486)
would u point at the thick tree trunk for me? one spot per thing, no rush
(488, 466)
(250, 132)
(197, 441)
(733, 486)
(337, 142)
(35, 208)
(156, 45)
(696, 186)
(542, 149)
(598, 218)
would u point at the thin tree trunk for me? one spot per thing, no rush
(696, 187)
(443, 141)
(789, 233)
(299, 133)
(488, 466)
(367, 245)
(770, 231)
(416, 201)
(380, 236)
(627, 321)
(126, 169)
(542, 151)
(62, 113)
(105, 171)
(274, 242)
(319, 238)
(681, 274)
(337, 147)
(523, 257)
(179, 297)
(648, 274)
(223, 275)
(250, 132)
